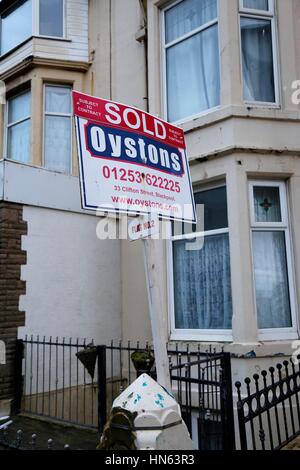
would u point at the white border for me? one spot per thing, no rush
(163, 61)
(58, 85)
(270, 16)
(7, 126)
(271, 334)
(177, 334)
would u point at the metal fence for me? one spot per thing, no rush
(55, 384)
(269, 413)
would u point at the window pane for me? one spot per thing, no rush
(58, 99)
(16, 26)
(215, 207)
(19, 107)
(18, 141)
(257, 52)
(58, 143)
(202, 286)
(267, 204)
(257, 4)
(187, 16)
(193, 79)
(271, 280)
(51, 18)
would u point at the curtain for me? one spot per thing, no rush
(16, 26)
(257, 55)
(202, 285)
(58, 100)
(187, 16)
(57, 129)
(18, 142)
(193, 76)
(19, 134)
(58, 143)
(271, 280)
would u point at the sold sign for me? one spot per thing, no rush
(130, 161)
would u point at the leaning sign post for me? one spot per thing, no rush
(136, 164)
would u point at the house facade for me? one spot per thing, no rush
(226, 72)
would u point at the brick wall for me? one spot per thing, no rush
(12, 227)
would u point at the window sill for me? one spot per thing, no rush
(260, 104)
(261, 349)
(37, 167)
(224, 113)
(202, 335)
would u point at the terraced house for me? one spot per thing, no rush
(226, 72)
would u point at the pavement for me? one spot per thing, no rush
(61, 434)
(294, 445)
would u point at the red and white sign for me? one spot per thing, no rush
(130, 161)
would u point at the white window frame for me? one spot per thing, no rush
(57, 115)
(8, 126)
(36, 21)
(177, 334)
(164, 48)
(289, 333)
(269, 15)
(11, 7)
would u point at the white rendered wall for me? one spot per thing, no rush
(73, 285)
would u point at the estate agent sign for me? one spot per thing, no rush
(130, 161)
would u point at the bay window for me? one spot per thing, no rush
(258, 51)
(18, 131)
(16, 25)
(200, 289)
(57, 128)
(191, 56)
(272, 264)
(26, 18)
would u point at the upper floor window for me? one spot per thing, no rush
(258, 47)
(18, 23)
(57, 128)
(51, 18)
(18, 135)
(191, 54)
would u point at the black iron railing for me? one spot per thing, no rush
(57, 385)
(268, 407)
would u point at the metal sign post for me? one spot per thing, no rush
(132, 162)
(154, 278)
